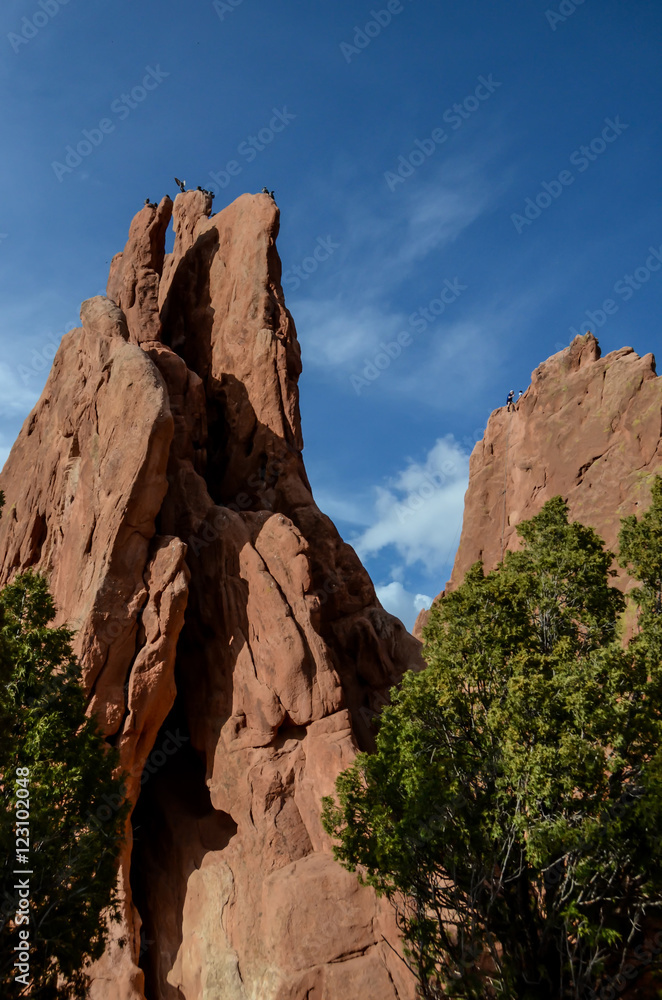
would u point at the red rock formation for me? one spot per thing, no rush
(588, 428)
(232, 644)
(135, 273)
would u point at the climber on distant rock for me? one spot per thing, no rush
(520, 395)
(510, 399)
(265, 190)
(180, 184)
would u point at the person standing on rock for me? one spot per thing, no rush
(520, 394)
(510, 399)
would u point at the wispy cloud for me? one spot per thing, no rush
(401, 603)
(436, 214)
(348, 310)
(458, 355)
(336, 334)
(351, 510)
(419, 512)
(408, 528)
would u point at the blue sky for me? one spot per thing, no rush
(415, 138)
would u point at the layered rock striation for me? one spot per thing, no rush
(588, 428)
(232, 644)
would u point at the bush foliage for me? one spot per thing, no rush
(513, 809)
(75, 801)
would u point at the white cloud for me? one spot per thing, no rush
(419, 512)
(334, 333)
(401, 603)
(437, 215)
(458, 355)
(382, 245)
(352, 511)
(397, 230)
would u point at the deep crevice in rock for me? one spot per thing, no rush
(174, 826)
(37, 538)
(234, 663)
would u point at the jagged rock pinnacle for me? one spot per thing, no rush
(232, 644)
(588, 428)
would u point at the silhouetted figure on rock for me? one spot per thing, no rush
(510, 399)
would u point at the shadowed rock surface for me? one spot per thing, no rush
(588, 428)
(232, 644)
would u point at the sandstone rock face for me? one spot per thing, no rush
(588, 428)
(135, 273)
(232, 644)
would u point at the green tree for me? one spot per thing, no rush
(75, 802)
(640, 553)
(512, 810)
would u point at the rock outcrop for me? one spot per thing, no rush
(232, 644)
(588, 428)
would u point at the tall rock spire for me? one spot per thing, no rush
(232, 644)
(588, 428)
